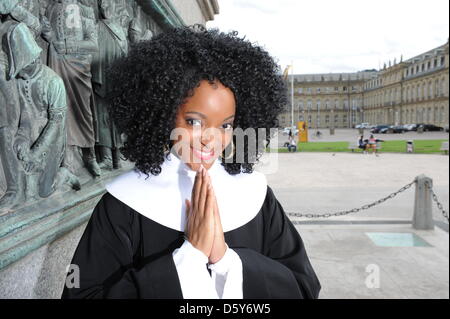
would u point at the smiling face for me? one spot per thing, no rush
(204, 124)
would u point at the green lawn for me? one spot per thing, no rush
(420, 146)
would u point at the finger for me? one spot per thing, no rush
(209, 208)
(197, 185)
(216, 212)
(188, 218)
(203, 194)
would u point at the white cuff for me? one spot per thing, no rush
(227, 275)
(195, 281)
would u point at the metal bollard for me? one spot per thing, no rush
(423, 212)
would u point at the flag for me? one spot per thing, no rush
(286, 72)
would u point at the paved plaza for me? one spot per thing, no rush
(348, 263)
(343, 254)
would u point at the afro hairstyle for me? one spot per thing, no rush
(155, 78)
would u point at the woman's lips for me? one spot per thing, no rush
(203, 155)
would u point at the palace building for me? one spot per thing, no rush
(411, 91)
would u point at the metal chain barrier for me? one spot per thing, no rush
(356, 210)
(439, 205)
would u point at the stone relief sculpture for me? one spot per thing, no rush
(37, 8)
(124, 13)
(113, 44)
(56, 102)
(11, 12)
(15, 10)
(9, 123)
(70, 29)
(41, 138)
(139, 28)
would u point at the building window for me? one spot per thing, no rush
(442, 61)
(300, 91)
(336, 89)
(344, 89)
(318, 90)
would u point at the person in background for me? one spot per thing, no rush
(362, 144)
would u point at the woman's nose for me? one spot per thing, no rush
(209, 137)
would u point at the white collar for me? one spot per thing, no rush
(161, 198)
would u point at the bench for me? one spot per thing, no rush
(444, 147)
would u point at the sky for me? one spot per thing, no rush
(333, 36)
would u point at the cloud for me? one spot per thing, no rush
(337, 36)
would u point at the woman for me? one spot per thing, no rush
(201, 223)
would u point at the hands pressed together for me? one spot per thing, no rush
(204, 229)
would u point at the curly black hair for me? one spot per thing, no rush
(158, 75)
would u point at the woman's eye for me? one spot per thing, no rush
(228, 126)
(194, 122)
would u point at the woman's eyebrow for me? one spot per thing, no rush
(229, 117)
(198, 113)
(204, 116)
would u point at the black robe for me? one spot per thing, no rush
(123, 254)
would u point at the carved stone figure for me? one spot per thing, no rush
(11, 12)
(113, 44)
(139, 28)
(9, 123)
(71, 31)
(41, 138)
(37, 9)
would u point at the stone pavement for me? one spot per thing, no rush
(340, 249)
(348, 263)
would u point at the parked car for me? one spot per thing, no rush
(363, 125)
(287, 129)
(431, 128)
(377, 128)
(396, 129)
(384, 130)
(410, 127)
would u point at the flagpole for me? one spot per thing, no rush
(292, 95)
